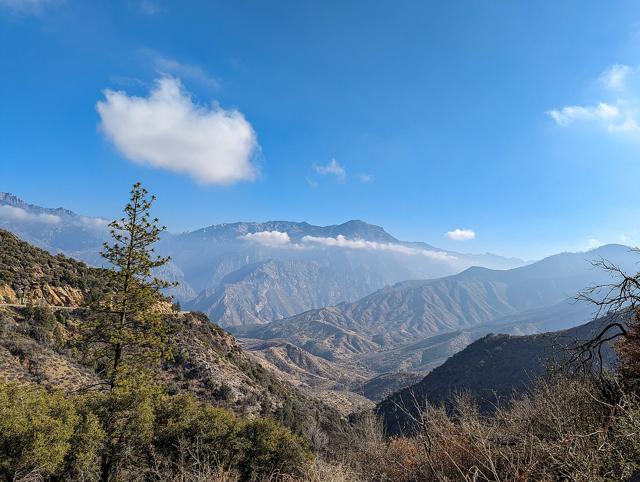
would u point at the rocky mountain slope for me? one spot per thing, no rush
(411, 311)
(491, 369)
(388, 370)
(416, 326)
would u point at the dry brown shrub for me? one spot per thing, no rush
(567, 429)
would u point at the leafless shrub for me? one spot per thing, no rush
(564, 429)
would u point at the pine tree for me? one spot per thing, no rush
(126, 332)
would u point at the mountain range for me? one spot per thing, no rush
(431, 319)
(345, 307)
(253, 273)
(208, 361)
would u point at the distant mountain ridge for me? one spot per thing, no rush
(54, 229)
(354, 229)
(416, 325)
(251, 273)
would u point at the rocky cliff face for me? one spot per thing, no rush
(43, 294)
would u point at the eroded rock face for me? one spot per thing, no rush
(59, 296)
(44, 294)
(7, 295)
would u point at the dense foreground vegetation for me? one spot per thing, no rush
(566, 429)
(152, 436)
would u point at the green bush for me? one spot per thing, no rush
(183, 422)
(270, 449)
(36, 430)
(136, 432)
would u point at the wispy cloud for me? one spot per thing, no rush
(97, 223)
(593, 243)
(151, 7)
(571, 113)
(168, 130)
(628, 240)
(331, 169)
(616, 76)
(311, 182)
(169, 66)
(26, 7)
(13, 213)
(461, 234)
(619, 111)
(365, 178)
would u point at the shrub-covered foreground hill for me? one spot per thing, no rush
(36, 334)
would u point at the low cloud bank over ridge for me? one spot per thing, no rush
(13, 213)
(277, 239)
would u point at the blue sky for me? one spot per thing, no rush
(518, 121)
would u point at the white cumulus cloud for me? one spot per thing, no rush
(461, 234)
(169, 131)
(332, 169)
(13, 213)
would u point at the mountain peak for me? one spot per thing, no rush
(11, 199)
(353, 229)
(359, 229)
(8, 199)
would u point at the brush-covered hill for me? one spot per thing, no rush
(43, 308)
(491, 369)
(32, 275)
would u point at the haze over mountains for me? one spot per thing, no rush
(251, 273)
(332, 307)
(346, 312)
(414, 310)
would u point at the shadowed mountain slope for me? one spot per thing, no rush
(491, 369)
